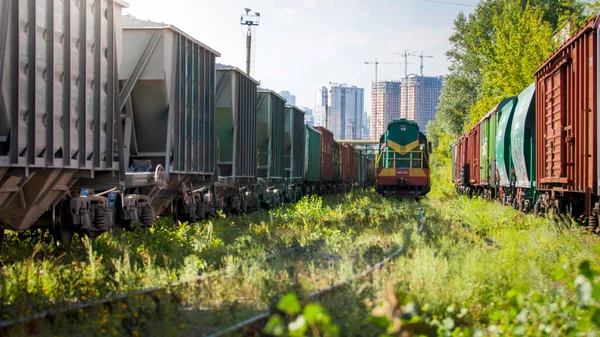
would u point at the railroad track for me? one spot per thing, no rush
(248, 326)
(255, 324)
(49, 315)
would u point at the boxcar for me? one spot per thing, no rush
(336, 162)
(327, 162)
(566, 122)
(312, 158)
(473, 155)
(461, 171)
(346, 163)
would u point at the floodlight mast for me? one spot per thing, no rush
(249, 20)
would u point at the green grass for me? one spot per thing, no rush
(353, 230)
(479, 269)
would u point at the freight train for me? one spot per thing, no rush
(107, 120)
(402, 163)
(538, 151)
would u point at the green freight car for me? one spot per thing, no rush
(523, 149)
(488, 158)
(312, 158)
(235, 114)
(504, 163)
(515, 151)
(362, 167)
(294, 152)
(270, 139)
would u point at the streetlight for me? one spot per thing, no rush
(249, 20)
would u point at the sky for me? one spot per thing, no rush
(303, 44)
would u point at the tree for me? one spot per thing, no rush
(522, 40)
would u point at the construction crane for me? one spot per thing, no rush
(422, 56)
(406, 55)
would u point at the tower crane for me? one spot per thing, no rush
(407, 54)
(422, 56)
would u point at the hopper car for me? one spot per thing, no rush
(538, 151)
(110, 121)
(402, 163)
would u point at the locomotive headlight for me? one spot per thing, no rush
(422, 147)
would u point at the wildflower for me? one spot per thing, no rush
(135, 314)
(124, 306)
(135, 333)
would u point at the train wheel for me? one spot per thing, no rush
(62, 234)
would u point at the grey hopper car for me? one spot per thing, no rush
(58, 69)
(270, 142)
(294, 151)
(235, 115)
(168, 81)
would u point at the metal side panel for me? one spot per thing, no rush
(521, 136)
(54, 74)
(172, 98)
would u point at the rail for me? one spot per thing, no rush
(31, 320)
(253, 325)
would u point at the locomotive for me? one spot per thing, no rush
(110, 121)
(538, 151)
(402, 163)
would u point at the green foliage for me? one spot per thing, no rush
(522, 40)
(486, 270)
(495, 51)
(312, 320)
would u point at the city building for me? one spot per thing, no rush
(366, 126)
(309, 118)
(385, 106)
(344, 107)
(420, 96)
(291, 99)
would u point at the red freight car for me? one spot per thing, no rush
(355, 165)
(346, 163)
(461, 169)
(473, 153)
(566, 116)
(326, 154)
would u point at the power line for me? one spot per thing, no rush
(450, 3)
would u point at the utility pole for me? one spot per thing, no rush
(249, 20)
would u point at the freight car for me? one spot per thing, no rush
(402, 164)
(546, 139)
(109, 121)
